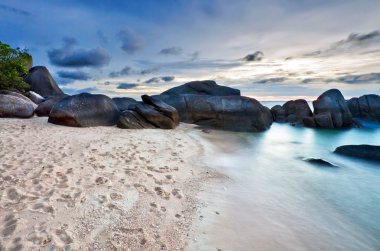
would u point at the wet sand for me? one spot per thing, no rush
(97, 188)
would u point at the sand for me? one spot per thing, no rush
(100, 188)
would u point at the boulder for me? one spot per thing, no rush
(278, 114)
(368, 152)
(324, 120)
(162, 107)
(234, 113)
(123, 103)
(365, 107)
(205, 87)
(299, 108)
(16, 94)
(132, 120)
(309, 122)
(44, 108)
(42, 82)
(36, 98)
(333, 102)
(12, 105)
(155, 117)
(85, 110)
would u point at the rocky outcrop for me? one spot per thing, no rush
(278, 114)
(44, 108)
(332, 104)
(15, 105)
(123, 103)
(365, 107)
(296, 110)
(85, 110)
(36, 98)
(368, 152)
(151, 113)
(235, 113)
(42, 82)
(205, 87)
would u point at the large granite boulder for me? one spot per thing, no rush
(365, 107)
(123, 103)
(205, 87)
(15, 105)
(162, 107)
(155, 117)
(85, 110)
(323, 120)
(36, 98)
(44, 108)
(234, 113)
(42, 82)
(296, 110)
(130, 119)
(333, 102)
(278, 114)
(369, 152)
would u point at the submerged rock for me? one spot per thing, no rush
(205, 87)
(42, 82)
(319, 162)
(368, 152)
(85, 110)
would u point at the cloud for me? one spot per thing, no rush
(168, 78)
(14, 10)
(173, 51)
(194, 56)
(125, 86)
(153, 80)
(67, 56)
(356, 39)
(361, 79)
(72, 91)
(123, 72)
(76, 75)
(150, 70)
(272, 80)
(130, 41)
(257, 56)
(160, 79)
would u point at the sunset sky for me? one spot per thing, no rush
(128, 48)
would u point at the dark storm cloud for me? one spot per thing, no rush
(14, 10)
(130, 41)
(257, 56)
(67, 56)
(125, 86)
(75, 75)
(123, 72)
(174, 51)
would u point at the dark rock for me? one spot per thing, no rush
(36, 98)
(278, 114)
(365, 107)
(85, 110)
(42, 82)
(234, 113)
(333, 102)
(309, 122)
(16, 94)
(205, 87)
(44, 108)
(155, 117)
(14, 106)
(162, 107)
(299, 108)
(132, 120)
(124, 103)
(319, 162)
(324, 120)
(368, 152)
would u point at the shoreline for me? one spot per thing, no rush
(100, 187)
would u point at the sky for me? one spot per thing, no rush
(269, 49)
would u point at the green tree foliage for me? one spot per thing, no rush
(13, 66)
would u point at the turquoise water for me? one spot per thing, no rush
(276, 201)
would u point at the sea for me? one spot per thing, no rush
(272, 199)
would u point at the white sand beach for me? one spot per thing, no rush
(99, 188)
